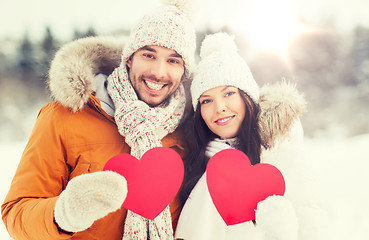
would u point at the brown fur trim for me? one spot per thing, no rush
(280, 105)
(72, 72)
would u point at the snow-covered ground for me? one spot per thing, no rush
(341, 165)
(342, 168)
(11, 153)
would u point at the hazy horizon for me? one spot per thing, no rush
(66, 16)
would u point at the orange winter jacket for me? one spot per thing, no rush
(63, 145)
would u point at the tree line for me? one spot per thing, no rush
(331, 69)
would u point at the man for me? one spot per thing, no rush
(51, 196)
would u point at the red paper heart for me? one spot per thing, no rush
(236, 187)
(152, 182)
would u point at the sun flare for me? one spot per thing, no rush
(269, 28)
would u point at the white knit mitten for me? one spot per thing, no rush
(89, 197)
(277, 218)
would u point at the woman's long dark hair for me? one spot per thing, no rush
(198, 135)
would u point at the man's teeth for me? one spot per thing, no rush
(154, 86)
(224, 119)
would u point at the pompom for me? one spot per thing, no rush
(218, 42)
(185, 6)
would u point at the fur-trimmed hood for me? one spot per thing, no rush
(281, 106)
(73, 70)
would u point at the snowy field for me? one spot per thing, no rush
(342, 168)
(11, 153)
(342, 165)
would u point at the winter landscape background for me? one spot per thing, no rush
(325, 53)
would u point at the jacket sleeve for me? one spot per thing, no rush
(42, 174)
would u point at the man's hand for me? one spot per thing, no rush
(89, 197)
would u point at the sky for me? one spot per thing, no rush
(64, 16)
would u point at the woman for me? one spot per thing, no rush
(225, 97)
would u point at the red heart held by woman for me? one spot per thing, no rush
(236, 187)
(152, 182)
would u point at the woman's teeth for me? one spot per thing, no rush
(224, 119)
(154, 86)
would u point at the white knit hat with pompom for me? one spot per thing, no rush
(168, 26)
(221, 65)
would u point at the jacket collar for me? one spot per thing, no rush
(102, 94)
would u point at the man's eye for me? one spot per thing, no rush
(175, 61)
(147, 55)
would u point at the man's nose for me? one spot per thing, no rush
(159, 69)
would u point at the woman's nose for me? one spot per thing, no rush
(221, 106)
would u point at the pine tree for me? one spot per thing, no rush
(48, 48)
(89, 33)
(26, 62)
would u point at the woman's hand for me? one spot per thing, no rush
(277, 218)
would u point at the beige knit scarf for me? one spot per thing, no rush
(143, 128)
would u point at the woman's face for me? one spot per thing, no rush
(223, 110)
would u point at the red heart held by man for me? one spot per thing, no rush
(152, 182)
(236, 187)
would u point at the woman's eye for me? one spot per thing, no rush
(229, 94)
(205, 101)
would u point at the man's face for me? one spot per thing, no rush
(155, 73)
